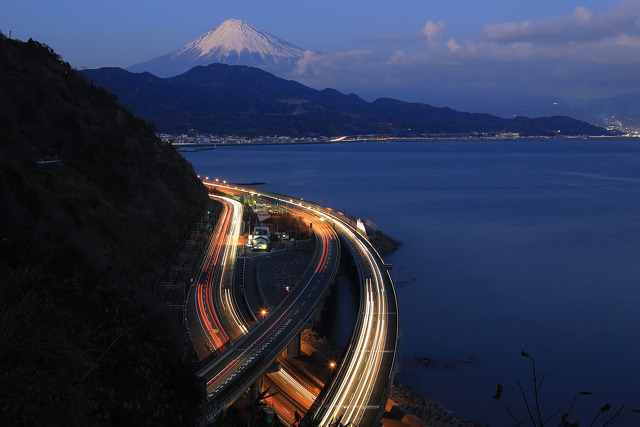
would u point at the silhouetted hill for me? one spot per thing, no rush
(242, 100)
(92, 207)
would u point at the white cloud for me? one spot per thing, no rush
(581, 15)
(305, 64)
(583, 54)
(453, 46)
(433, 30)
(580, 26)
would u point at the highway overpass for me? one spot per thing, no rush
(360, 388)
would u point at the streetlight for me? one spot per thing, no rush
(263, 312)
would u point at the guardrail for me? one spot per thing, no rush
(381, 270)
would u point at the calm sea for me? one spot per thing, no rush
(506, 246)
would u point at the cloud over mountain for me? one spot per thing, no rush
(586, 53)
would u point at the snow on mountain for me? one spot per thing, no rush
(234, 42)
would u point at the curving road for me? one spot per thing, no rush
(203, 310)
(232, 372)
(359, 391)
(216, 315)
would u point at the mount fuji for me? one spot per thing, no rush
(234, 42)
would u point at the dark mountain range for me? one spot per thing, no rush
(242, 100)
(92, 207)
(621, 111)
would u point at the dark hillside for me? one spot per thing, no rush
(92, 206)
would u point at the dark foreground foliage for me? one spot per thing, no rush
(92, 206)
(536, 414)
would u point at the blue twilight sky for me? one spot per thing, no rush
(443, 53)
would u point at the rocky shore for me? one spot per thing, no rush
(427, 412)
(416, 410)
(382, 243)
(283, 268)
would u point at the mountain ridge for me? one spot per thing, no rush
(244, 100)
(234, 42)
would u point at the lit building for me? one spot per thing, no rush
(260, 238)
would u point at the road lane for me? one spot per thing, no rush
(360, 389)
(228, 374)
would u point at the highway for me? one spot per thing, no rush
(216, 314)
(212, 314)
(221, 282)
(294, 393)
(359, 391)
(232, 372)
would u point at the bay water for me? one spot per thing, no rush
(506, 246)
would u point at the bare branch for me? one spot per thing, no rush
(526, 402)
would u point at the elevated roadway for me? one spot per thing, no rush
(359, 391)
(230, 373)
(216, 316)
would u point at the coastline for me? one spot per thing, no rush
(375, 139)
(404, 407)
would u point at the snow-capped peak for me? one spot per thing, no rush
(234, 42)
(235, 36)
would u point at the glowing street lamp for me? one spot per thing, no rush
(263, 312)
